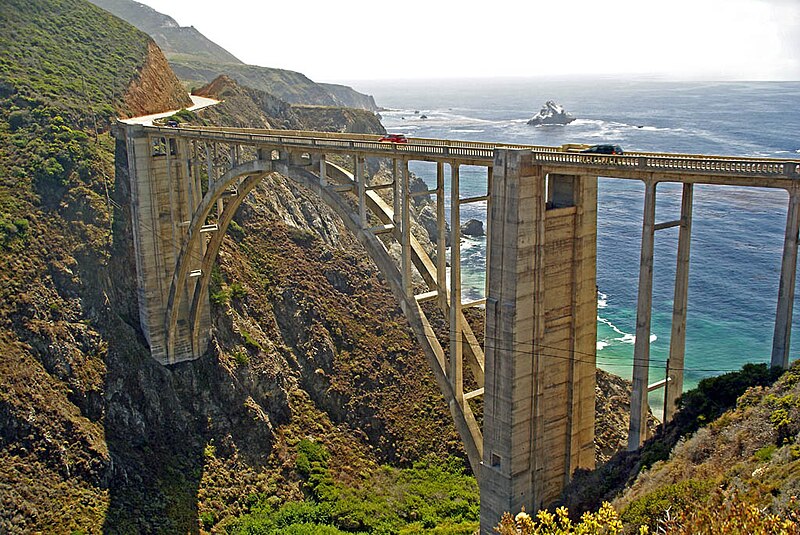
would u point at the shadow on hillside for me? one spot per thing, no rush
(154, 437)
(156, 446)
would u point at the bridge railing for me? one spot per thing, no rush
(718, 165)
(484, 152)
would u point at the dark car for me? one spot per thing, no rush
(604, 149)
(172, 123)
(394, 138)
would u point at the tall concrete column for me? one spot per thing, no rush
(677, 341)
(358, 175)
(541, 311)
(441, 238)
(323, 171)
(456, 371)
(514, 314)
(641, 349)
(405, 230)
(160, 193)
(783, 315)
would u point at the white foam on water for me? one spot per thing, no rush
(602, 344)
(602, 300)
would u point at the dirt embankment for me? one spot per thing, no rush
(156, 88)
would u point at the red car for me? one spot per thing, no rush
(394, 138)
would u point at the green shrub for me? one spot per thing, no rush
(250, 342)
(650, 508)
(237, 291)
(241, 357)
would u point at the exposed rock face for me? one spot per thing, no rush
(335, 119)
(155, 88)
(612, 415)
(246, 107)
(551, 114)
(473, 227)
(252, 108)
(350, 98)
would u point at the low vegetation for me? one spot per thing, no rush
(432, 496)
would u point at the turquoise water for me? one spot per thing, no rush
(737, 237)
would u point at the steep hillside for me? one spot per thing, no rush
(246, 107)
(345, 96)
(744, 463)
(198, 61)
(94, 435)
(335, 119)
(78, 58)
(252, 108)
(293, 87)
(176, 41)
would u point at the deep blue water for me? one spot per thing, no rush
(737, 234)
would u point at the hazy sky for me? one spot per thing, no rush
(374, 39)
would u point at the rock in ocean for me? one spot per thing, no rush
(551, 114)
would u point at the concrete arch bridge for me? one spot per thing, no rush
(536, 370)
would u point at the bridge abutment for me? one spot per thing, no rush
(541, 313)
(164, 196)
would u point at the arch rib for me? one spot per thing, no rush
(214, 194)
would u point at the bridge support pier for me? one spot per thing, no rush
(540, 360)
(164, 195)
(641, 348)
(673, 388)
(783, 315)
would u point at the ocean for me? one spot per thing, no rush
(737, 235)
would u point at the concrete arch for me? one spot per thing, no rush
(182, 266)
(257, 170)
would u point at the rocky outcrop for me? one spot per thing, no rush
(473, 227)
(155, 88)
(335, 119)
(246, 107)
(551, 114)
(350, 98)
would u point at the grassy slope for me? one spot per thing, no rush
(748, 454)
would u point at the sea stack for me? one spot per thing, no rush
(551, 114)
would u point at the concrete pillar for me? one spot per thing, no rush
(395, 193)
(489, 171)
(160, 194)
(641, 349)
(783, 315)
(358, 175)
(456, 371)
(405, 231)
(441, 238)
(323, 171)
(541, 311)
(677, 341)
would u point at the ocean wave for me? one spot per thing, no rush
(601, 345)
(602, 300)
(466, 131)
(623, 338)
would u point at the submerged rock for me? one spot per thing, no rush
(551, 114)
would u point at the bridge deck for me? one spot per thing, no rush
(660, 167)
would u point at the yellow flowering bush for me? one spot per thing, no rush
(604, 522)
